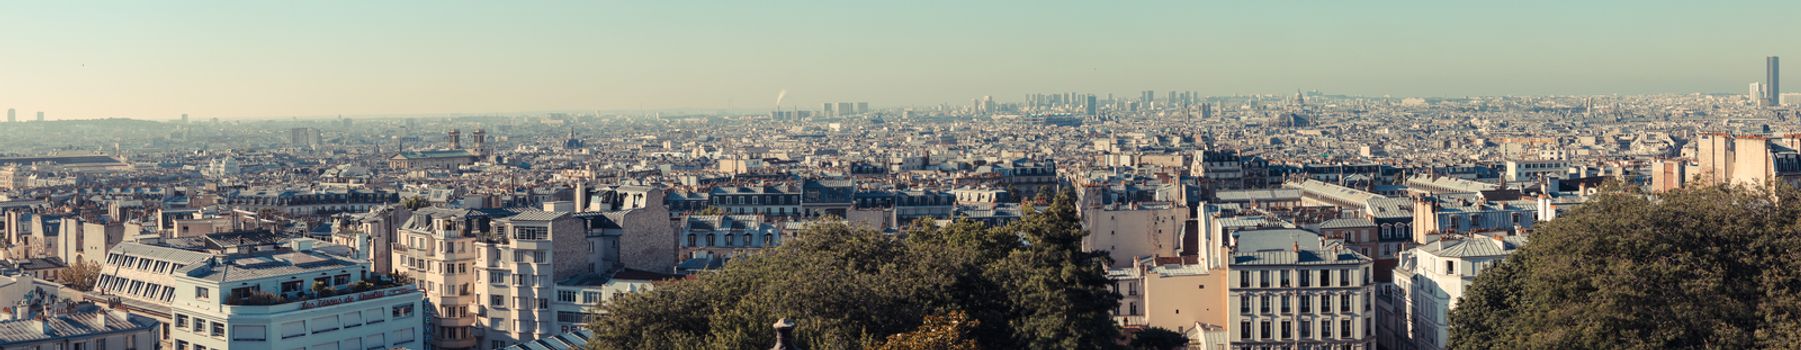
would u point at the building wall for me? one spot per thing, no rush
(1129, 234)
(1178, 302)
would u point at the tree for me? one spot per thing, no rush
(80, 276)
(1023, 286)
(949, 331)
(1158, 338)
(414, 203)
(1711, 267)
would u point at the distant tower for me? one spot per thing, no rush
(1756, 94)
(481, 141)
(184, 118)
(456, 139)
(1772, 80)
(40, 116)
(12, 115)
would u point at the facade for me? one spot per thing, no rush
(707, 236)
(1431, 279)
(1753, 160)
(1288, 289)
(439, 159)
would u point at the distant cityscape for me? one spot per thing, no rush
(1311, 220)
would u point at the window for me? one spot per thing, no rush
(1263, 279)
(1244, 279)
(403, 310)
(1306, 278)
(566, 296)
(1285, 327)
(218, 329)
(529, 232)
(1325, 328)
(499, 324)
(1244, 329)
(374, 316)
(1344, 303)
(497, 277)
(290, 287)
(1344, 329)
(202, 293)
(1284, 274)
(1285, 304)
(543, 303)
(293, 329)
(324, 324)
(1265, 327)
(1265, 306)
(590, 297)
(1305, 330)
(1325, 278)
(249, 333)
(1450, 267)
(181, 321)
(1244, 304)
(496, 301)
(1304, 300)
(1344, 277)
(1325, 303)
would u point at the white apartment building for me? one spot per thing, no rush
(1290, 290)
(262, 291)
(1432, 277)
(496, 277)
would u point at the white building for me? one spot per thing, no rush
(1288, 289)
(261, 291)
(1432, 277)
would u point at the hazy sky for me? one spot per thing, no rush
(157, 59)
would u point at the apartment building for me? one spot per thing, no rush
(258, 290)
(1291, 289)
(1434, 276)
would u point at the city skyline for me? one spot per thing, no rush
(157, 61)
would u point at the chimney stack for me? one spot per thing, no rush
(784, 335)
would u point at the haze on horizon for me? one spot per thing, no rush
(157, 60)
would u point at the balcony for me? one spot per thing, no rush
(270, 303)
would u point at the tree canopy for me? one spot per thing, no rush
(1712, 267)
(1027, 285)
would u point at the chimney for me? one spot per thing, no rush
(784, 335)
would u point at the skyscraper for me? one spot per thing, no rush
(1756, 93)
(1089, 107)
(184, 118)
(40, 116)
(1772, 80)
(12, 115)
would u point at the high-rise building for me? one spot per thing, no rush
(1089, 106)
(1149, 96)
(12, 115)
(862, 107)
(184, 118)
(40, 116)
(846, 108)
(826, 109)
(1755, 93)
(1772, 80)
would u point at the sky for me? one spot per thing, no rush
(261, 59)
